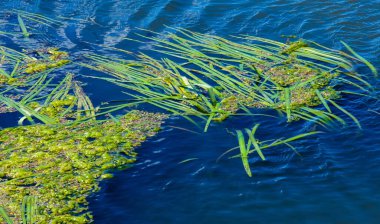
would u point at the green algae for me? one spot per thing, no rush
(24, 76)
(62, 165)
(50, 58)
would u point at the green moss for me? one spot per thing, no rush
(228, 105)
(291, 74)
(62, 165)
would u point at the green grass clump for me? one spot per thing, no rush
(214, 78)
(62, 164)
(249, 144)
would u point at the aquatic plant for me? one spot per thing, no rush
(25, 83)
(30, 24)
(214, 78)
(62, 102)
(50, 58)
(254, 145)
(62, 164)
(67, 155)
(29, 211)
(51, 168)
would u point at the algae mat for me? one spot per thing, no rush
(62, 165)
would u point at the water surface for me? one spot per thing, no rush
(337, 178)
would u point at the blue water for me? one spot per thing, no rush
(337, 179)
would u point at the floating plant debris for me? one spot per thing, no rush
(62, 164)
(253, 145)
(215, 78)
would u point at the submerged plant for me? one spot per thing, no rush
(62, 164)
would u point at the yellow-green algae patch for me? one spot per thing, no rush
(62, 165)
(51, 58)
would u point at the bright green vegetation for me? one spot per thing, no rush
(55, 59)
(52, 165)
(253, 145)
(214, 78)
(29, 211)
(27, 87)
(62, 164)
(49, 168)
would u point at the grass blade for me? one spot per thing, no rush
(243, 152)
(22, 26)
(370, 66)
(4, 215)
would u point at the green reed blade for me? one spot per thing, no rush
(370, 66)
(243, 152)
(347, 113)
(4, 216)
(187, 160)
(22, 26)
(251, 135)
(322, 99)
(294, 138)
(287, 104)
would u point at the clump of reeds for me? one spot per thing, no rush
(248, 144)
(214, 78)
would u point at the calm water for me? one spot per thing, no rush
(337, 180)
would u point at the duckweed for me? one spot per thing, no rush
(62, 165)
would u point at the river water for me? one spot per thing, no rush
(337, 179)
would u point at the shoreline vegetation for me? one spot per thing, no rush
(64, 145)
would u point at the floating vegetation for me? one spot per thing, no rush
(62, 164)
(253, 145)
(25, 83)
(29, 211)
(50, 58)
(61, 161)
(66, 101)
(22, 26)
(51, 166)
(215, 78)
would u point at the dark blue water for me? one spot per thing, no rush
(337, 179)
